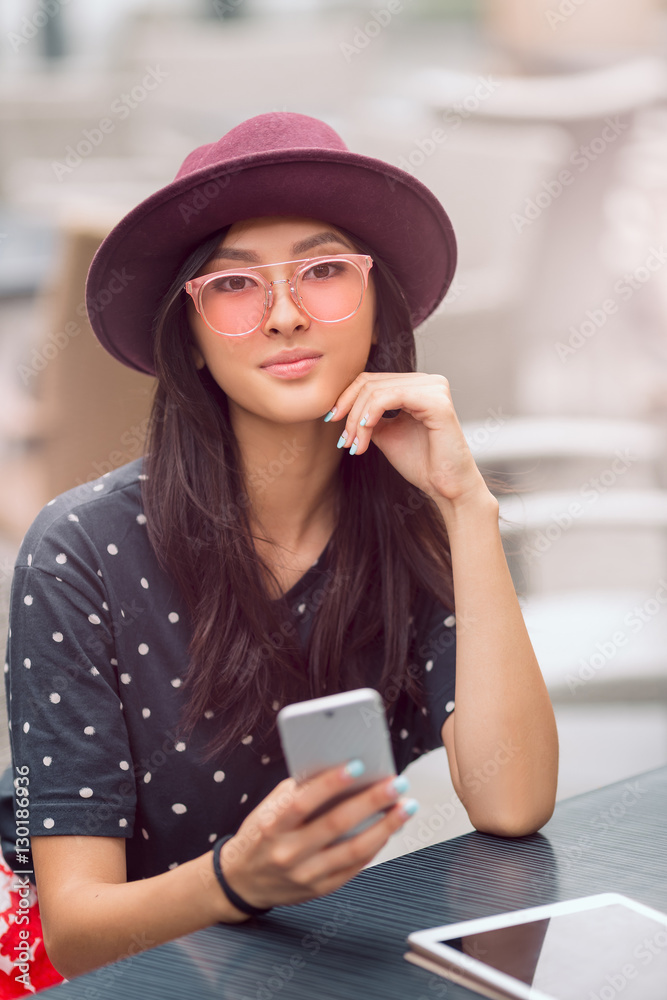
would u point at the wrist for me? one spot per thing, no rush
(470, 508)
(224, 911)
(221, 869)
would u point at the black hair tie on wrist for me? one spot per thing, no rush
(233, 897)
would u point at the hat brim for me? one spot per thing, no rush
(393, 212)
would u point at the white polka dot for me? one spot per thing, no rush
(125, 678)
(27, 599)
(212, 837)
(54, 697)
(85, 793)
(147, 777)
(179, 808)
(94, 619)
(57, 637)
(94, 671)
(59, 579)
(72, 517)
(112, 549)
(48, 824)
(29, 560)
(100, 486)
(208, 714)
(141, 518)
(114, 663)
(246, 740)
(180, 746)
(122, 822)
(424, 711)
(449, 707)
(144, 583)
(124, 766)
(47, 761)
(429, 665)
(51, 501)
(61, 558)
(173, 865)
(146, 712)
(244, 797)
(176, 682)
(27, 663)
(450, 620)
(120, 705)
(219, 776)
(26, 727)
(122, 613)
(142, 648)
(142, 475)
(403, 734)
(145, 834)
(275, 706)
(99, 572)
(89, 730)
(265, 759)
(173, 617)
(301, 608)
(105, 605)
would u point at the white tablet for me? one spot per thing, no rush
(595, 948)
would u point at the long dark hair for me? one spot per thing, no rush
(388, 544)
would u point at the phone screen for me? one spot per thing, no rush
(594, 954)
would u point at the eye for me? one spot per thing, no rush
(232, 283)
(327, 269)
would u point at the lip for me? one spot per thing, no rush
(286, 357)
(292, 369)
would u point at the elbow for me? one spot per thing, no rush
(514, 823)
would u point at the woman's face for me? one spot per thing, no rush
(236, 362)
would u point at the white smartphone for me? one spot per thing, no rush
(322, 732)
(593, 947)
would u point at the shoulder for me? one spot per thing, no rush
(93, 507)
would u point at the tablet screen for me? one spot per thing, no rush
(593, 954)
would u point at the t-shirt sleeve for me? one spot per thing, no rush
(65, 710)
(435, 652)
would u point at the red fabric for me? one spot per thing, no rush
(40, 973)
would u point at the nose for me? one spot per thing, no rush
(283, 315)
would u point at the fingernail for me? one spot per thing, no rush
(362, 422)
(355, 768)
(330, 414)
(353, 448)
(399, 785)
(410, 807)
(342, 439)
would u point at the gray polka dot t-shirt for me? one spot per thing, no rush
(97, 655)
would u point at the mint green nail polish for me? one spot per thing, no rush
(400, 784)
(354, 446)
(342, 439)
(355, 768)
(410, 807)
(329, 415)
(362, 422)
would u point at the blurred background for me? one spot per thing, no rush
(542, 127)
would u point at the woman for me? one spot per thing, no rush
(283, 538)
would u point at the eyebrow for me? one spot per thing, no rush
(301, 246)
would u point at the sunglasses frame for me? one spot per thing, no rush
(195, 287)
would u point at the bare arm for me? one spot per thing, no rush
(92, 916)
(501, 741)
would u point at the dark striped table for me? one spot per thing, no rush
(350, 944)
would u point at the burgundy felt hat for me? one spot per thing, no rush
(280, 163)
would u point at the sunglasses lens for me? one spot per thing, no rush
(331, 290)
(233, 304)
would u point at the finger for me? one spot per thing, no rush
(353, 854)
(294, 802)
